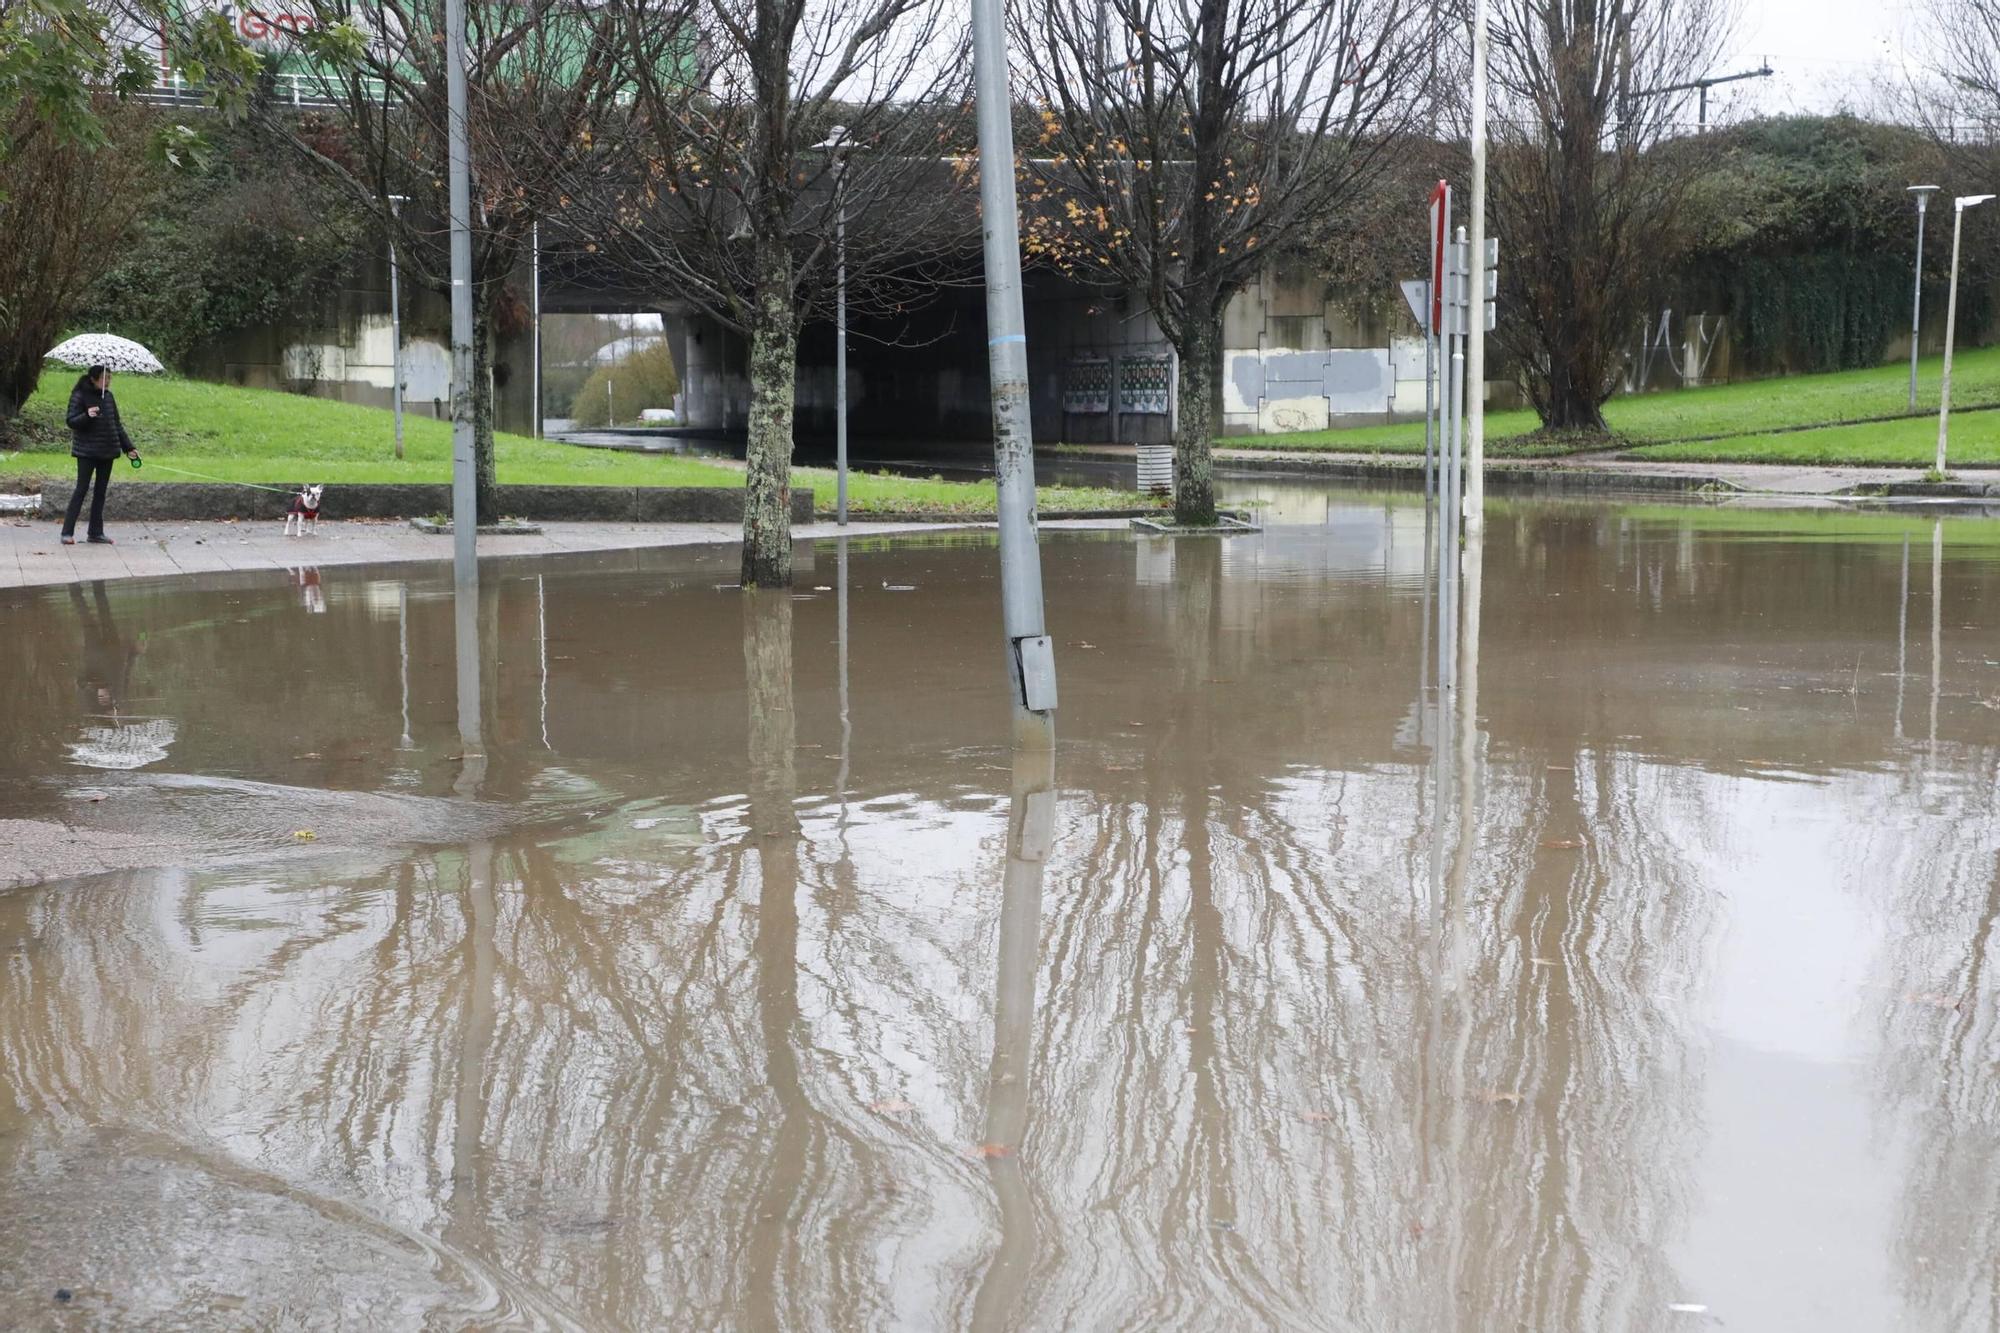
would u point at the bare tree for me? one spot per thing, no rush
(727, 189)
(363, 103)
(1184, 142)
(1961, 49)
(73, 172)
(65, 206)
(1586, 180)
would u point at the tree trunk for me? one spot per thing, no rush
(485, 478)
(774, 359)
(1200, 349)
(1570, 406)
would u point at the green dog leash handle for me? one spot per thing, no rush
(134, 459)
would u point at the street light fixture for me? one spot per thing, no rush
(396, 202)
(1923, 195)
(838, 145)
(1958, 207)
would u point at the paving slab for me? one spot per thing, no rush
(31, 555)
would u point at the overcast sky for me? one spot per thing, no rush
(1825, 54)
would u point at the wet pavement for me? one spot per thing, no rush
(31, 555)
(619, 951)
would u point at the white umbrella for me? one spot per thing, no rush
(107, 350)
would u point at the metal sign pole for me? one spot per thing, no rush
(1430, 404)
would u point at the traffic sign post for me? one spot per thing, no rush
(1442, 308)
(1418, 295)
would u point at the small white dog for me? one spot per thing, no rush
(304, 510)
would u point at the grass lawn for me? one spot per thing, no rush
(232, 434)
(1975, 439)
(1745, 415)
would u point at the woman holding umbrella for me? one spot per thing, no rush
(97, 437)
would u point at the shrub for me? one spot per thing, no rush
(644, 379)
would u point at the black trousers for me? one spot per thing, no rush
(88, 469)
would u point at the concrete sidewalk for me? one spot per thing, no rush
(1760, 478)
(32, 556)
(1607, 472)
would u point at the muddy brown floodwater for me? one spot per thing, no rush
(671, 967)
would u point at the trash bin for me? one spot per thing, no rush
(1156, 468)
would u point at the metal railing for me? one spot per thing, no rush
(291, 87)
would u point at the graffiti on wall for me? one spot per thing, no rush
(1688, 357)
(1087, 385)
(1146, 383)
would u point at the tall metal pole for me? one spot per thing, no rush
(1455, 395)
(1475, 293)
(396, 348)
(1430, 399)
(1030, 657)
(1447, 426)
(535, 242)
(840, 343)
(1950, 327)
(464, 491)
(1923, 194)
(396, 324)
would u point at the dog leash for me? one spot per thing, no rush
(203, 476)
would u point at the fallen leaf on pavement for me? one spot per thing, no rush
(991, 1151)
(1934, 1001)
(304, 834)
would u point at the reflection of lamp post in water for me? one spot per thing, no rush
(846, 723)
(1903, 636)
(403, 645)
(471, 738)
(1937, 621)
(1030, 830)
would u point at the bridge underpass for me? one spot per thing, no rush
(917, 384)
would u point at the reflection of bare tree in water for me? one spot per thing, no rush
(1220, 1044)
(1569, 1103)
(772, 1227)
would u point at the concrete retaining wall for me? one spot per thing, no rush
(129, 500)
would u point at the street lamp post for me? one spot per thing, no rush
(535, 390)
(1958, 207)
(836, 144)
(1923, 195)
(1031, 664)
(1475, 290)
(464, 482)
(396, 325)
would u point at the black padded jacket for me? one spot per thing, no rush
(100, 436)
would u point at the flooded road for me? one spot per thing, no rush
(694, 960)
